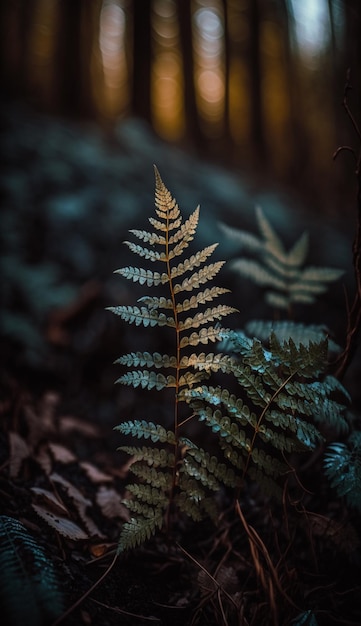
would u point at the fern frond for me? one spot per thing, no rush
(210, 362)
(269, 235)
(152, 476)
(185, 233)
(220, 471)
(143, 276)
(148, 237)
(147, 253)
(146, 430)
(29, 587)
(152, 302)
(139, 529)
(286, 329)
(147, 380)
(343, 469)
(201, 298)
(203, 336)
(244, 238)
(258, 273)
(279, 270)
(149, 494)
(160, 457)
(210, 315)
(142, 315)
(145, 359)
(198, 278)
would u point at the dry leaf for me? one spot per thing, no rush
(61, 454)
(95, 474)
(110, 502)
(50, 500)
(69, 424)
(63, 525)
(19, 451)
(43, 458)
(81, 503)
(99, 549)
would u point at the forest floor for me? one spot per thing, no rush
(295, 562)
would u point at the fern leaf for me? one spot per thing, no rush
(145, 359)
(149, 494)
(271, 238)
(147, 380)
(201, 298)
(153, 302)
(343, 469)
(143, 276)
(219, 471)
(320, 274)
(286, 329)
(210, 315)
(281, 301)
(139, 529)
(153, 456)
(258, 273)
(185, 233)
(138, 316)
(29, 587)
(151, 255)
(298, 253)
(199, 278)
(151, 238)
(152, 476)
(210, 362)
(270, 465)
(146, 430)
(245, 239)
(203, 336)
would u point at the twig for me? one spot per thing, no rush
(86, 594)
(353, 310)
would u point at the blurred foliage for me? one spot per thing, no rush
(249, 83)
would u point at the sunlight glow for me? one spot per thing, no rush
(167, 82)
(111, 44)
(209, 70)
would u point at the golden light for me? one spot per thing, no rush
(167, 103)
(209, 65)
(112, 50)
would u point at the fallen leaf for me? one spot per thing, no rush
(95, 474)
(52, 502)
(62, 525)
(81, 503)
(69, 424)
(61, 454)
(19, 451)
(110, 503)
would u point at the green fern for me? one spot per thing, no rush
(343, 469)
(170, 476)
(284, 275)
(283, 387)
(29, 589)
(284, 392)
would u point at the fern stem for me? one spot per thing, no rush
(177, 374)
(257, 427)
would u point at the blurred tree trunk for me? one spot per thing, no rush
(75, 37)
(142, 59)
(194, 132)
(298, 134)
(259, 149)
(227, 59)
(16, 21)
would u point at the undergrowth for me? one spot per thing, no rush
(278, 397)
